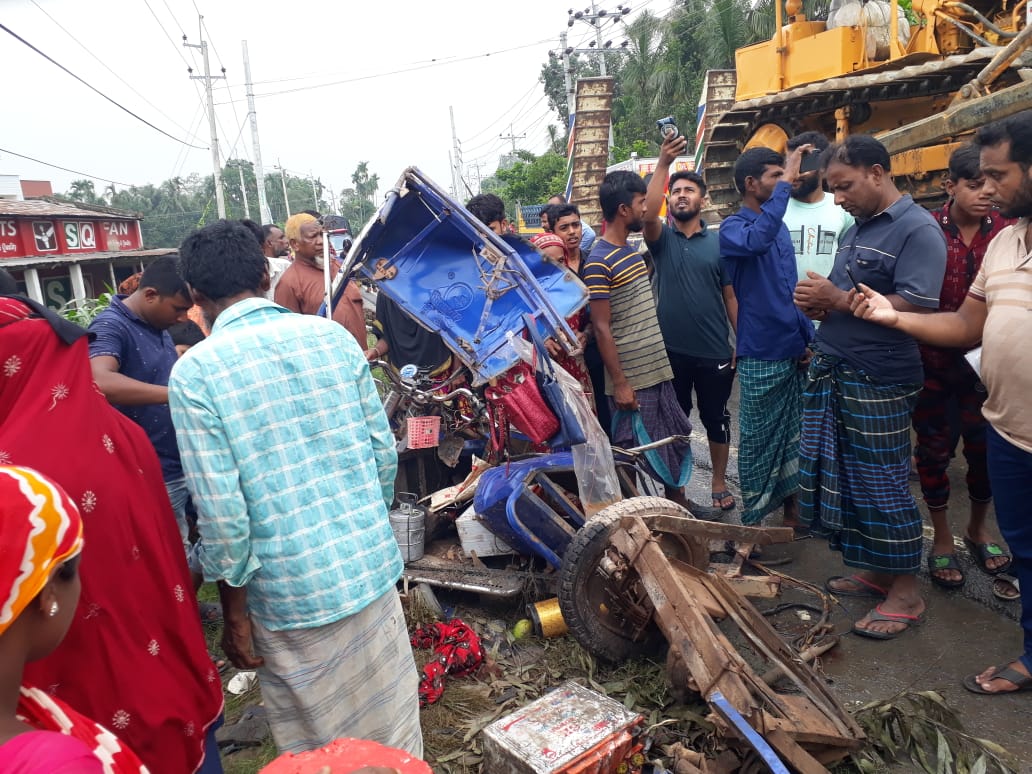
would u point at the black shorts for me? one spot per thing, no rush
(712, 381)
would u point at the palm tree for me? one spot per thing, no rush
(646, 78)
(83, 191)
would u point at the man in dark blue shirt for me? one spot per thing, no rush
(772, 333)
(132, 355)
(863, 384)
(695, 305)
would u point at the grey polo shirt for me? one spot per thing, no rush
(899, 251)
(688, 284)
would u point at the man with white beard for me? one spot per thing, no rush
(302, 286)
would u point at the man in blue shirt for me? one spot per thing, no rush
(773, 334)
(291, 462)
(131, 356)
(695, 304)
(863, 386)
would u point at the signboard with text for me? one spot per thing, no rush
(26, 237)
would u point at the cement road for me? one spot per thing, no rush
(965, 630)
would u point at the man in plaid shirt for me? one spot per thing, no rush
(952, 389)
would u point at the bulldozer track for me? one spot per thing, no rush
(788, 109)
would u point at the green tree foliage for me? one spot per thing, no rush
(531, 180)
(664, 64)
(177, 206)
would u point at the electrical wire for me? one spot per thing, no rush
(398, 71)
(139, 118)
(63, 169)
(517, 107)
(106, 67)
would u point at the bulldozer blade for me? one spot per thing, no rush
(958, 118)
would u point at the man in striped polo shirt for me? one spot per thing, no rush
(639, 381)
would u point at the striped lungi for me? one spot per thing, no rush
(353, 678)
(662, 416)
(770, 408)
(855, 467)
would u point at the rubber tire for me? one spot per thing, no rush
(577, 577)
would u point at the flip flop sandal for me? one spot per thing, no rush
(1006, 587)
(878, 615)
(864, 587)
(718, 496)
(940, 563)
(1002, 672)
(983, 552)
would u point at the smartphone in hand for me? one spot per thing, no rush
(811, 162)
(849, 273)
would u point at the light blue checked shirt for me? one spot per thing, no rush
(291, 464)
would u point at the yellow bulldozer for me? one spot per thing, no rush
(920, 77)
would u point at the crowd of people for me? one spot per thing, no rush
(204, 446)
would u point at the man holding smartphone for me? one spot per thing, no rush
(863, 383)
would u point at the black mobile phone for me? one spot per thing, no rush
(849, 273)
(811, 162)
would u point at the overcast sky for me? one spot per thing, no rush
(389, 120)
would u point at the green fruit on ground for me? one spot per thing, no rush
(522, 628)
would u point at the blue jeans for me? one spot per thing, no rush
(179, 496)
(1010, 474)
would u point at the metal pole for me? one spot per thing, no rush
(259, 170)
(567, 77)
(315, 192)
(457, 156)
(598, 41)
(243, 191)
(216, 161)
(283, 180)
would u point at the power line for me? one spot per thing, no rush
(63, 169)
(517, 106)
(399, 71)
(95, 89)
(106, 67)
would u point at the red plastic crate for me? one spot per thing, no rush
(423, 432)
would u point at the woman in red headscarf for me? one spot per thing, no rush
(39, 589)
(134, 658)
(554, 248)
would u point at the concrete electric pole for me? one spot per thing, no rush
(259, 171)
(597, 18)
(216, 161)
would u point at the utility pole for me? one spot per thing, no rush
(513, 138)
(216, 161)
(259, 170)
(243, 191)
(571, 94)
(477, 165)
(456, 157)
(596, 18)
(315, 192)
(283, 179)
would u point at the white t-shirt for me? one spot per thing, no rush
(276, 268)
(815, 230)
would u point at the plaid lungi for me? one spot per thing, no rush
(770, 407)
(855, 467)
(354, 678)
(662, 415)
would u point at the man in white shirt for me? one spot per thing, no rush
(812, 217)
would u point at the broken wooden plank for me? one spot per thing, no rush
(710, 658)
(708, 530)
(800, 759)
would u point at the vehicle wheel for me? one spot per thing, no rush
(587, 599)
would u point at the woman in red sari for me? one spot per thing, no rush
(134, 658)
(39, 589)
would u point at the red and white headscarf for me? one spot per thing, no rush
(42, 530)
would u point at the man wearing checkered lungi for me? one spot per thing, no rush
(863, 384)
